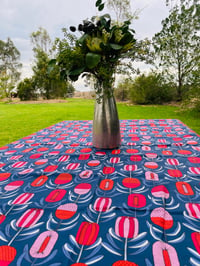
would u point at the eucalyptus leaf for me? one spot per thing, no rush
(128, 37)
(77, 71)
(101, 7)
(105, 47)
(115, 46)
(113, 60)
(93, 18)
(83, 38)
(103, 21)
(51, 66)
(50, 69)
(98, 2)
(63, 74)
(105, 16)
(52, 62)
(92, 60)
(127, 22)
(73, 78)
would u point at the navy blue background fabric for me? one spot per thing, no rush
(63, 202)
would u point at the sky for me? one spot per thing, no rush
(19, 18)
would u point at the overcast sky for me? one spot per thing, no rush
(19, 18)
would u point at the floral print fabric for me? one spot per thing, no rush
(63, 202)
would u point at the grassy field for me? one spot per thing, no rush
(19, 120)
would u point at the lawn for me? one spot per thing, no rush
(19, 120)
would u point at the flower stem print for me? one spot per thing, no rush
(27, 220)
(86, 239)
(126, 227)
(127, 232)
(21, 200)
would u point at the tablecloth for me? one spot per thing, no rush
(63, 202)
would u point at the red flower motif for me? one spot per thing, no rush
(106, 184)
(87, 233)
(7, 255)
(136, 200)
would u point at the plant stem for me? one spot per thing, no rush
(80, 253)
(125, 248)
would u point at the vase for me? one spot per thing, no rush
(106, 126)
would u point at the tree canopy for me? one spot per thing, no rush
(9, 67)
(122, 9)
(47, 84)
(177, 45)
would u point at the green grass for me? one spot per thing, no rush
(19, 120)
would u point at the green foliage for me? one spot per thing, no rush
(46, 74)
(9, 67)
(177, 45)
(92, 60)
(99, 5)
(9, 58)
(3, 85)
(193, 99)
(97, 52)
(26, 90)
(192, 95)
(41, 40)
(151, 89)
(70, 60)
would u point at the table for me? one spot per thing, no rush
(63, 202)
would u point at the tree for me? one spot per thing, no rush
(122, 9)
(40, 73)
(177, 45)
(172, 3)
(49, 84)
(41, 43)
(41, 40)
(6, 85)
(9, 67)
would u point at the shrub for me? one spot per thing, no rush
(192, 98)
(26, 90)
(151, 89)
(192, 95)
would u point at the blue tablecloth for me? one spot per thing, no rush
(63, 202)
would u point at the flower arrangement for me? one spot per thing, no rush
(97, 52)
(97, 55)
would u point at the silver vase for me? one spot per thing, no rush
(106, 127)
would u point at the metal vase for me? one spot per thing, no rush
(106, 127)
